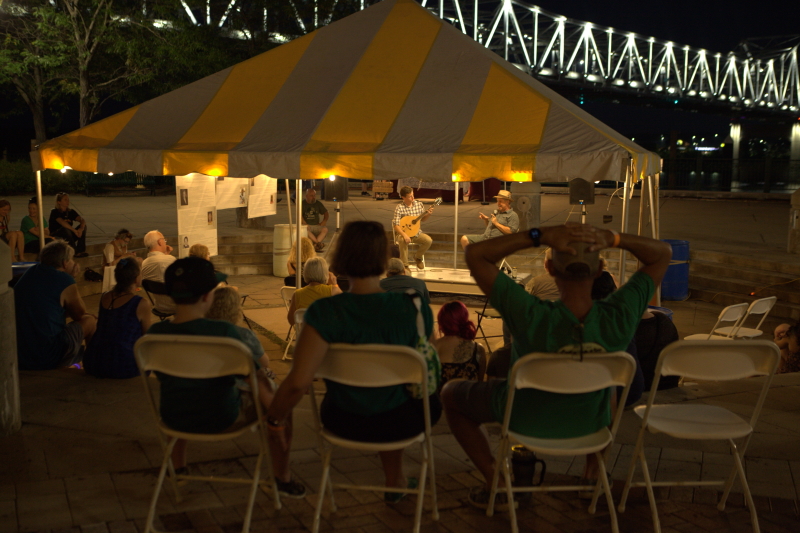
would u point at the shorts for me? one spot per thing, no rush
(72, 337)
(314, 230)
(402, 422)
(473, 399)
(247, 411)
(471, 239)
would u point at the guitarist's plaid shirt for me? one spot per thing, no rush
(416, 209)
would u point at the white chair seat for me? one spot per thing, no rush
(748, 333)
(695, 421)
(577, 446)
(370, 446)
(706, 337)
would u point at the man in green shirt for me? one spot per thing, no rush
(312, 210)
(573, 324)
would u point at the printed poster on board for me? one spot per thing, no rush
(232, 192)
(263, 199)
(196, 198)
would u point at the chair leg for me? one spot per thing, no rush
(631, 470)
(434, 499)
(730, 480)
(252, 500)
(650, 495)
(151, 514)
(512, 512)
(423, 473)
(288, 344)
(324, 484)
(501, 457)
(607, 489)
(746, 490)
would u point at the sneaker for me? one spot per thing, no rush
(397, 497)
(479, 497)
(364, 193)
(321, 246)
(82, 254)
(291, 488)
(420, 264)
(588, 492)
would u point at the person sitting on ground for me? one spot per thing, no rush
(44, 297)
(398, 280)
(155, 265)
(316, 229)
(14, 239)
(62, 220)
(117, 249)
(460, 355)
(320, 283)
(124, 317)
(572, 325)
(209, 405)
(30, 228)
(306, 252)
(227, 306)
(786, 337)
(654, 333)
(504, 221)
(363, 315)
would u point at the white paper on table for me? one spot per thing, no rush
(263, 199)
(232, 192)
(195, 196)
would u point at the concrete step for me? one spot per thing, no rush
(743, 288)
(261, 237)
(751, 262)
(246, 269)
(248, 248)
(755, 277)
(239, 259)
(785, 311)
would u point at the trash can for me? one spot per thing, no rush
(335, 189)
(281, 245)
(675, 286)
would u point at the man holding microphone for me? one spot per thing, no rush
(504, 221)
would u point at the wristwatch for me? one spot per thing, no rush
(535, 234)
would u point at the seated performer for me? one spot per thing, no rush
(504, 221)
(413, 208)
(62, 224)
(312, 209)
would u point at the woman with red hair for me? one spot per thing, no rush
(461, 356)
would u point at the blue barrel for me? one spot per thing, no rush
(675, 285)
(662, 310)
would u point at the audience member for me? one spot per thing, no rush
(654, 333)
(573, 325)
(117, 249)
(123, 318)
(544, 286)
(503, 221)
(155, 265)
(62, 220)
(397, 280)
(30, 228)
(312, 209)
(460, 355)
(320, 283)
(209, 405)
(786, 337)
(44, 297)
(14, 239)
(307, 252)
(201, 251)
(363, 315)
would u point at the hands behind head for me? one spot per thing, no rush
(559, 237)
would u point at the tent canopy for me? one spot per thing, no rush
(389, 92)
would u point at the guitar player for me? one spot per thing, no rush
(414, 208)
(503, 221)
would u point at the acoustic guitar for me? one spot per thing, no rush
(410, 224)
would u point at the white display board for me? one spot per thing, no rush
(263, 199)
(232, 192)
(196, 199)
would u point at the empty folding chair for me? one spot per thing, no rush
(732, 313)
(375, 365)
(564, 374)
(714, 361)
(758, 307)
(201, 357)
(286, 294)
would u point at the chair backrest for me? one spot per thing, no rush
(567, 374)
(733, 313)
(373, 365)
(148, 287)
(718, 361)
(299, 317)
(193, 356)
(286, 294)
(759, 307)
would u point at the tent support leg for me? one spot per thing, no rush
(455, 226)
(41, 208)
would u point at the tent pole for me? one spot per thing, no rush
(654, 205)
(624, 229)
(289, 209)
(455, 226)
(41, 208)
(298, 275)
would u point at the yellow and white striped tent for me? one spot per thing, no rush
(389, 92)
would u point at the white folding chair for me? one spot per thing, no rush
(299, 317)
(286, 294)
(706, 360)
(758, 307)
(202, 357)
(732, 313)
(564, 374)
(374, 365)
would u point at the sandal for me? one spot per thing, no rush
(396, 497)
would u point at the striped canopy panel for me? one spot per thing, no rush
(389, 92)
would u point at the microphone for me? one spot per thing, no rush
(495, 212)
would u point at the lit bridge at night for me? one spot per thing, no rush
(762, 74)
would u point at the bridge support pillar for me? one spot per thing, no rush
(794, 154)
(736, 136)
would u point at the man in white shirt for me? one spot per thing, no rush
(411, 208)
(154, 266)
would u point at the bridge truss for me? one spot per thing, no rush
(556, 49)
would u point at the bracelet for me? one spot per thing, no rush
(535, 234)
(275, 428)
(615, 244)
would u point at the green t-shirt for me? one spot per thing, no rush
(546, 326)
(198, 405)
(312, 213)
(27, 224)
(381, 318)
